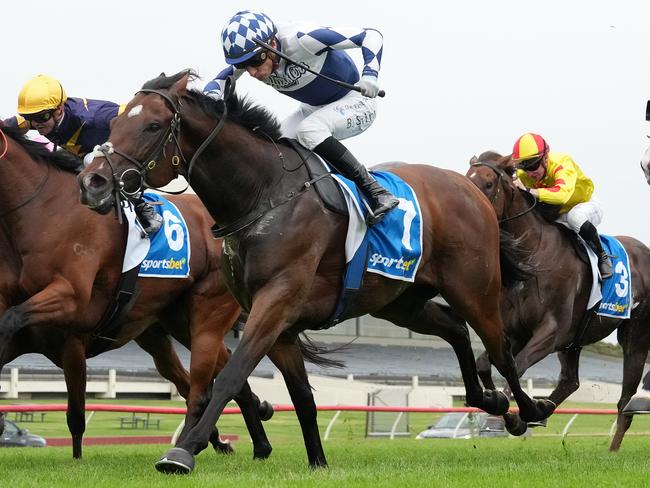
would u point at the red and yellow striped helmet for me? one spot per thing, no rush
(529, 146)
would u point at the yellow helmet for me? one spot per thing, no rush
(40, 93)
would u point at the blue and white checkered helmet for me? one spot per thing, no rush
(238, 34)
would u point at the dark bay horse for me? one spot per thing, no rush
(548, 313)
(284, 251)
(60, 268)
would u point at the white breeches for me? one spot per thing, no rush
(346, 117)
(590, 211)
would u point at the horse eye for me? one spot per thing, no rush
(153, 127)
(489, 184)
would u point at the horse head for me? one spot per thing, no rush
(492, 174)
(144, 148)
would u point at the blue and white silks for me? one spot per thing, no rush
(395, 244)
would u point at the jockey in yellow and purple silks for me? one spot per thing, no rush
(74, 124)
(555, 179)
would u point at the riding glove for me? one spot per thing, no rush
(369, 86)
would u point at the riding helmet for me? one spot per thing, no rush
(529, 146)
(40, 93)
(237, 36)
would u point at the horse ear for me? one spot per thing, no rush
(473, 160)
(180, 87)
(507, 164)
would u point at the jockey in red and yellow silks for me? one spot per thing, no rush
(564, 183)
(555, 179)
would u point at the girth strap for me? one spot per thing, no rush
(110, 324)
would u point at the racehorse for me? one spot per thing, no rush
(284, 251)
(549, 313)
(60, 270)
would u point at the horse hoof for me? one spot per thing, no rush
(496, 403)
(514, 425)
(224, 448)
(637, 404)
(545, 407)
(538, 423)
(265, 410)
(176, 461)
(262, 450)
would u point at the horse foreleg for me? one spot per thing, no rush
(158, 344)
(273, 309)
(484, 317)
(569, 380)
(74, 369)
(58, 303)
(635, 351)
(286, 355)
(484, 369)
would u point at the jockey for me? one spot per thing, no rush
(555, 179)
(74, 124)
(328, 112)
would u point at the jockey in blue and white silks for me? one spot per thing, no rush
(328, 112)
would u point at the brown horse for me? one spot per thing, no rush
(284, 251)
(548, 313)
(60, 269)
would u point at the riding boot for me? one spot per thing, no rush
(589, 233)
(150, 219)
(381, 201)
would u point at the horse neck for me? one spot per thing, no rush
(527, 225)
(21, 177)
(236, 172)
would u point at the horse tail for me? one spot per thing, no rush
(314, 353)
(516, 263)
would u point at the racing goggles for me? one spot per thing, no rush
(255, 61)
(531, 164)
(40, 117)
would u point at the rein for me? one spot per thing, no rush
(500, 175)
(38, 189)
(4, 139)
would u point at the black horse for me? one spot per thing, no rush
(548, 314)
(284, 250)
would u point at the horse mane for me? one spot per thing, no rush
(38, 151)
(240, 110)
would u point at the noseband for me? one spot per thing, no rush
(500, 173)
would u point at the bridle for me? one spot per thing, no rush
(5, 143)
(171, 136)
(500, 173)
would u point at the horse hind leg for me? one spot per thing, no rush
(416, 312)
(481, 310)
(288, 358)
(635, 348)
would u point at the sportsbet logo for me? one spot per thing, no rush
(170, 263)
(378, 259)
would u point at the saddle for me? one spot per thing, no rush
(327, 188)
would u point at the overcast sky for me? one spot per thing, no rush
(460, 76)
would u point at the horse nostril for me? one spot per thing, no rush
(93, 181)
